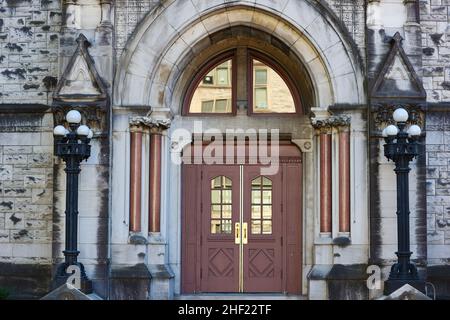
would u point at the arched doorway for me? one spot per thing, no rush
(242, 229)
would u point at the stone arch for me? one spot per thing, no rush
(158, 52)
(252, 39)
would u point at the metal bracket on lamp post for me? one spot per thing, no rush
(402, 147)
(72, 146)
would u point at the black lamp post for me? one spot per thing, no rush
(402, 147)
(73, 147)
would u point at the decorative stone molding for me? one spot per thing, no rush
(383, 114)
(155, 121)
(81, 83)
(94, 117)
(152, 123)
(397, 79)
(331, 122)
(82, 88)
(305, 145)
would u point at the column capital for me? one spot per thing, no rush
(326, 124)
(155, 124)
(136, 128)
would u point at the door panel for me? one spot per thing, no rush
(219, 257)
(262, 256)
(220, 212)
(191, 229)
(292, 193)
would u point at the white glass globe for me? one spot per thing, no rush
(384, 133)
(83, 130)
(401, 115)
(91, 134)
(414, 131)
(73, 116)
(391, 130)
(59, 131)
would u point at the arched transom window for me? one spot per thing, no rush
(257, 82)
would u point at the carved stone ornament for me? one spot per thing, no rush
(81, 88)
(80, 83)
(94, 117)
(156, 124)
(397, 78)
(383, 114)
(331, 122)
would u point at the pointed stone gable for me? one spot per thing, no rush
(80, 81)
(397, 78)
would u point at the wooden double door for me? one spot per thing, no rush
(241, 229)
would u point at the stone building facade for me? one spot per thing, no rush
(129, 66)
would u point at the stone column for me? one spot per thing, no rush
(325, 123)
(135, 178)
(412, 33)
(325, 182)
(156, 125)
(373, 14)
(344, 179)
(71, 19)
(155, 181)
(103, 33)
(106, 13)
(412, 12)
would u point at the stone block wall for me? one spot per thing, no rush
(128, 14)
(438, 187)
(26, 198)
(352, 14)
(29, 43)
(29, 46)
(435, 18)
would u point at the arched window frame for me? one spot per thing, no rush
(231, 54)
(199, 77)
(255, 55)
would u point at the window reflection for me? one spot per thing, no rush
(270, 92)
(221, 205)
(214, 93)
(261, 216)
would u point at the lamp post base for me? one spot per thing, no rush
(62, 277)
(392, 285)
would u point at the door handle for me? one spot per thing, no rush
(244, 233)
(237, 233)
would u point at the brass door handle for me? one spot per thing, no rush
(244, 233)
(237, 231)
